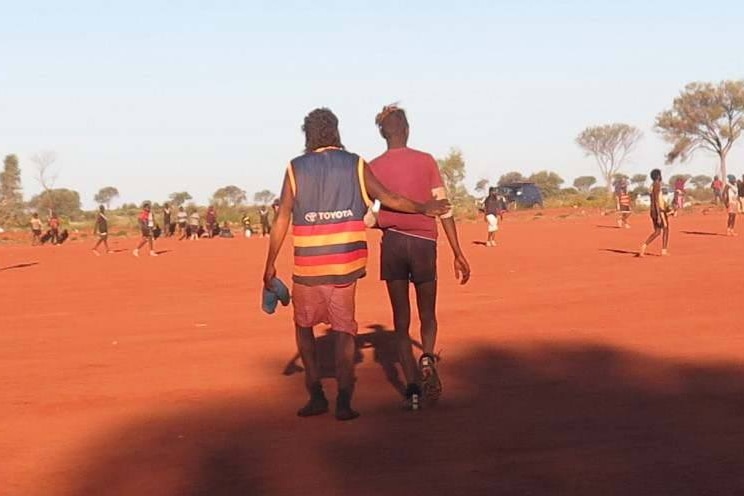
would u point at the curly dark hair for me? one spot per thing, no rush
(321, 130)
(392, 121)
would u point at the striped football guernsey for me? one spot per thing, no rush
(330, 200)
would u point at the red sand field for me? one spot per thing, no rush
(570, 367)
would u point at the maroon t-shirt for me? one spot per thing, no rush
(412, 174)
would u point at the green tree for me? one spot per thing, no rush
(705, 116)
(549, 182)
(638, 180)
(230, 196)
(610, 145)
(106, 195)
(11, 196)
(701, 181)
(511, 177)
(264, 197)
(452, 168)
(65, 202)
(584, 183)
(178, 199)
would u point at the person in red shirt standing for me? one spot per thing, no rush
(146, 223)
(409, 250)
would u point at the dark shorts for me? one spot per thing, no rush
(625, 208)
(146, 232)
(37, 232)
(660, 220)
(408, 258)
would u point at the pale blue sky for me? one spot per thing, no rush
(160, 96)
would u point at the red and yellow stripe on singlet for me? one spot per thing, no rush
(330, 251)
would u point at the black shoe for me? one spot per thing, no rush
(318, 404)
(343, 406)
(430, 382)
(413, 398)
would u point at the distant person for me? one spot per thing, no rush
(247, 229)
(409, 250)
(618, 185)
(263, 213)
(54, 229)
(679, 194)
(717, 187)
(146, 222)
(225, 231)
(101, 230)
(732, 203)
(625, 211)
(194, 225)
(659, 215)
(492, 211)
(167, 220)
(36, 228)
(211, 221)
(183, 220)
(330, 250)
(740, 185)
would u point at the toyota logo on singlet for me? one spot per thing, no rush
(313, 217)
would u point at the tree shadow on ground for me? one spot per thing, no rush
(552, 420)
(19, 266)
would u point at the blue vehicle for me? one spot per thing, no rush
(522, 194)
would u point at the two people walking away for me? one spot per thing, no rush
(330, 251)
(733, 204)
(659, 216)
(146, 222)
(101, 230)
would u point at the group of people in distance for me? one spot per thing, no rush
(54, 234)
(329, 197)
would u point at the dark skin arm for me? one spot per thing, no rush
(462, 268)
(375, 189)
(279, 231)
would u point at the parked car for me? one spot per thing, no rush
(523, 194)
(644, 199)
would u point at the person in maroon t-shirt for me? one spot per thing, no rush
(409, 250)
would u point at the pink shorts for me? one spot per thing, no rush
(334, 305)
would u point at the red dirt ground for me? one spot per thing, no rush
(570, 367)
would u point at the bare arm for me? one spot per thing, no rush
(462, 268)
(279, 230)
(393, 201)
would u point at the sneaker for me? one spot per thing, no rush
(344, 411)
(135, 253)
(317, 405)
(431, 385)
(413, 398)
